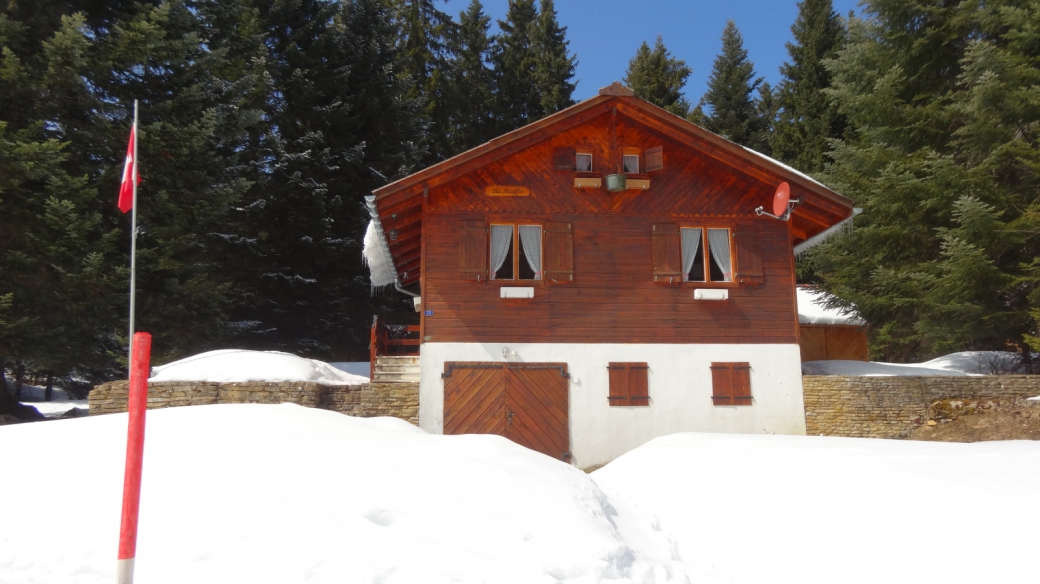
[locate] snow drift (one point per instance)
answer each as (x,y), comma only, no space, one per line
(963,363)
(236,365)
(285,494)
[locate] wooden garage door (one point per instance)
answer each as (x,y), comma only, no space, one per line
(525,402)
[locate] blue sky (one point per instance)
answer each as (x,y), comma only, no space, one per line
(606,33)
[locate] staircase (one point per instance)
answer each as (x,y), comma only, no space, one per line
(390,369)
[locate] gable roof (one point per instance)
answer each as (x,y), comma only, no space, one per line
(399,205)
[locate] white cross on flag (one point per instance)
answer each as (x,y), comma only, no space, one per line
(126,188)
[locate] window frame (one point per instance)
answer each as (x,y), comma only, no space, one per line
(634,153)
(707,283)
(516,224)
(584,152)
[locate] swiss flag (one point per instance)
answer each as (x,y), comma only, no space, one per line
(126,188)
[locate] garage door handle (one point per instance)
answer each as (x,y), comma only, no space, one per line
(509,417)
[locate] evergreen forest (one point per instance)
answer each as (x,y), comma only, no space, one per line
(264,123)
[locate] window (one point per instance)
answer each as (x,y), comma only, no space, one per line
(583,161)
(544,253)
(628,384)
(731,384)
(516,252)
(630,163)
(706,259)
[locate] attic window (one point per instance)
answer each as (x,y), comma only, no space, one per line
(630,163)
(583,161)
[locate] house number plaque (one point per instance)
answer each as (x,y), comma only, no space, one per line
(506,191)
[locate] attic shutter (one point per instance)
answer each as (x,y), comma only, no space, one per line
(666,252)
(563,159)
(559,253)
(653,158)
(731,384)
(748,242)
(473,251)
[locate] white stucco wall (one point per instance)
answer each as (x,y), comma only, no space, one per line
(680,390)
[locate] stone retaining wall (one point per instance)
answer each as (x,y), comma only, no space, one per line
(400,400)
(891,407)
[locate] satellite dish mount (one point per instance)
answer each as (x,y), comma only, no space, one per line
(783,205)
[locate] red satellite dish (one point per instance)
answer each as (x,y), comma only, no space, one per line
(781,199)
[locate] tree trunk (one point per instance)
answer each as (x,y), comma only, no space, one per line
(19,377)
(48,394)
(3,376)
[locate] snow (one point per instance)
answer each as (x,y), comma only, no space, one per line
(237,365)
(963,363)
(872,369)
(360,368)
(812,309)
(776,162)
(377,257)
(55,409)
(282,493)
(748,509)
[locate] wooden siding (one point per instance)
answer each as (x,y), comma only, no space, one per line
(613,298)
(831,342)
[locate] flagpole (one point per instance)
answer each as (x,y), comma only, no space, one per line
(133,238)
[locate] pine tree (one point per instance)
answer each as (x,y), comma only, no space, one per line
(554,68)
(518,100)
(808,117)
(733,113)
(659,78)
(338,124)
(943,161)
(423,43)
(472,81)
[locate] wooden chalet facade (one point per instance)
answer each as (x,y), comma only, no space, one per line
(582,322)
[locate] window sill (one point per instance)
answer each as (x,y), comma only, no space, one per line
(517,283)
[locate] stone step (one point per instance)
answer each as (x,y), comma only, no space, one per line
(396,377)
(396,369)
(396,360)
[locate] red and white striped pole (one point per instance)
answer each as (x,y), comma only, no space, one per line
(137,402)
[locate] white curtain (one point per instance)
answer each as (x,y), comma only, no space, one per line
(531,238)
(718,240)
(501,240)
(691,242)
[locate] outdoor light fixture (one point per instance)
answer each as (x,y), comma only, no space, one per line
(393,227)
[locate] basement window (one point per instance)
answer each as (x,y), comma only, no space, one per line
(516,252)
(583,161)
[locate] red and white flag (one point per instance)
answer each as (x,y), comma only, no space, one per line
(126,188)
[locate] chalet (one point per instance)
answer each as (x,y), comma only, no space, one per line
(599,278)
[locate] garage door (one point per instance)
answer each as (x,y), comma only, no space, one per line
(525,402)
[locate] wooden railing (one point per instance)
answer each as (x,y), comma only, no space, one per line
(392,340)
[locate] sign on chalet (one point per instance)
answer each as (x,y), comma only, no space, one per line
(599,278)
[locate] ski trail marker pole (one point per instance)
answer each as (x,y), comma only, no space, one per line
(137,402)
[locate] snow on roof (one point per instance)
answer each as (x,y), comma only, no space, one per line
(237,365)
(377,257)
(785,167)
(812,309)
(874,369)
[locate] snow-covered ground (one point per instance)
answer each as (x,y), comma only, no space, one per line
(281,493)
(360,368)
(812,309)
(231,365)
(963,363)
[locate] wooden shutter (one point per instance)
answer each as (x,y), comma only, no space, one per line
(628,384)
(473,262)
(638,384)
(731,384)
(667,253)
(748,242)
(618,376)
(563,159)
(559,253)
(654,158)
